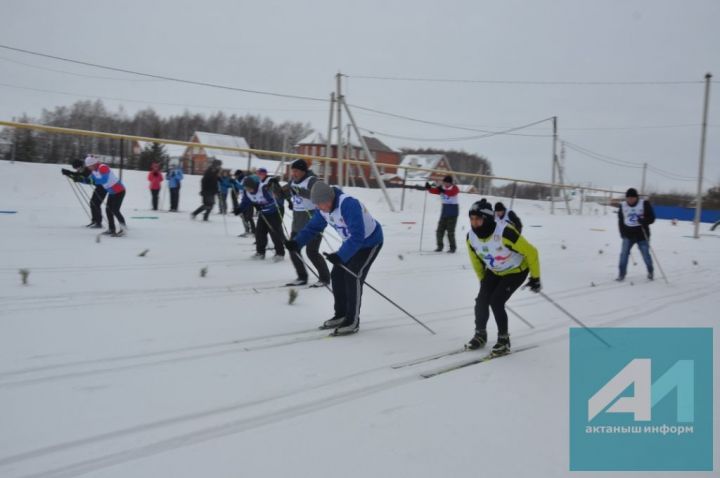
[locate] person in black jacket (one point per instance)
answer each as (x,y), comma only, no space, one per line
(502,214)
(208,191)
(634,218)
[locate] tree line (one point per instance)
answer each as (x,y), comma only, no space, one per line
(34,146)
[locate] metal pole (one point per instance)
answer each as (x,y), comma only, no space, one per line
(575,319)
(644,175)
(402,196)
(422,224)
(561,176)
(698,206)
(328,148)
(370,157)
(338,81)
(352,274)
(582,200)
(122,157)
(554,165)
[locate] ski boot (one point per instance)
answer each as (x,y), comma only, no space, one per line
(478,341)
(502,347)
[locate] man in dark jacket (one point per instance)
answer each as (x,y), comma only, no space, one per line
(502,214)
(302,182)
(208,191)
(634,218)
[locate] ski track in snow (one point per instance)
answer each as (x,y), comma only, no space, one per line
(238,426)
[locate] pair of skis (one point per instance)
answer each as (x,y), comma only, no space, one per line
(457,366)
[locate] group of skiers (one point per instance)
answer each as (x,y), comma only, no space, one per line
(501,257)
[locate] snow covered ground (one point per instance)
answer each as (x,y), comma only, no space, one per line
(116,365)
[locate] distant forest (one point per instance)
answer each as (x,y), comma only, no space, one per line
(32,146)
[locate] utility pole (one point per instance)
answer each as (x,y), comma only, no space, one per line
(561,174)
(698,206)
(328,149)
(554,165)
(642,185)
(340,99)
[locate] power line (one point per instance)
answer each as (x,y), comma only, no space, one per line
(145,102)
(81,75)
(167,78)
(602,157)
(626,164)
(465,138)
(526,82)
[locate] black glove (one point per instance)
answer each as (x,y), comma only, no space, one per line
(236,210)
(290,205)
(534,284)
(68,173)
(428,186)
(333,258)
(292,245)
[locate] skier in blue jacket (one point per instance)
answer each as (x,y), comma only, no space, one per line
(362,238)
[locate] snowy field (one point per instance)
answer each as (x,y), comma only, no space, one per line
(117,365)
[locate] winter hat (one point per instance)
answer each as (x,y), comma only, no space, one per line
(448,179)
(250,183)
(499,207)
(91,161)
(261,170)
(483,209)
(77,164)
(631,193)
(299,164)
(321,193)
(238,173)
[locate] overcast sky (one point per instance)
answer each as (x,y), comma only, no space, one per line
(297,47)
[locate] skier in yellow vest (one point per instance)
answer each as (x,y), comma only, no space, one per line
(502,260)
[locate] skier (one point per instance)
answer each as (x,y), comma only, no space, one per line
(224,185)
(269,221)
(272,183)
(208,191)
(448,217)
(502,214)
(102,175)
(247,216)
(80,175)
(155,178)
(362,239)
(502,259)
(174,179)
(303,180)
(634,218)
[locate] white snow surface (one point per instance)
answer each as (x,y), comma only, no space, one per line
(116,365)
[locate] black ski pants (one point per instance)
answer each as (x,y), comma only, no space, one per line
(112,210)
(494,292)
(347,288)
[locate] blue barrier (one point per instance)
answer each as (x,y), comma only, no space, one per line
(685,213)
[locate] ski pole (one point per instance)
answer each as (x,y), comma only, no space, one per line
(575,319)
(520,317)
(422,224)
(342,266)
(77,196)
(298,253)
(647,239)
